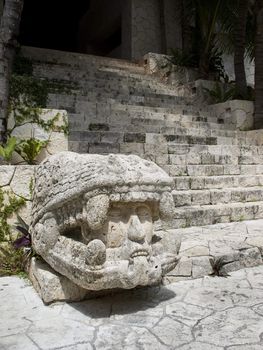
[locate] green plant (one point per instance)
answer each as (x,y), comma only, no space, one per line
(217,264)
(22,65)
(7,151)
(181,58)
(31,186)
(29,149)
(221,93)
(11,260)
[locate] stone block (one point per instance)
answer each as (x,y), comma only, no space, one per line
(177,170)
(111,137)
(201,267)
(132,148)
(104,148)
(194,248)
(218,196)
(241,213)
(248,170)
(6,174)
(87,136)
(21,180)
(200,197)
(231,170)
(178,149)
(205,170)
(154,149)
(182,183)
(183,268)
(197,183)
(181,198)
(58,142)
(51,285)
(242,259)
(162,159)
(177,159)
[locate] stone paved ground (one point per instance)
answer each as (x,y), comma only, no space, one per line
(212,313)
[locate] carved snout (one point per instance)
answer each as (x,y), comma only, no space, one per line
(136,232)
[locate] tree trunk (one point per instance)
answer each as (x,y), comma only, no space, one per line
(258,116)
(9,29)
(240,42)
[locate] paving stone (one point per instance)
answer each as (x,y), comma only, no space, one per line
(227,327)
(181,312)
(6,174)
(230,309)
(59,333)
(179,333)
(201,266)
(20,341)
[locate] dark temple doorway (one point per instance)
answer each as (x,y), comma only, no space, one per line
(86,26)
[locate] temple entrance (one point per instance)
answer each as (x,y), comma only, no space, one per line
(86,26)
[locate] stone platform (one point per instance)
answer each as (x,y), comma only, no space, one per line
(212,313)
(237,245)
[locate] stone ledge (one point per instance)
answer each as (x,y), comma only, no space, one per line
(238,245)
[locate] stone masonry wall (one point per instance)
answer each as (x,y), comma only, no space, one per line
(16,179)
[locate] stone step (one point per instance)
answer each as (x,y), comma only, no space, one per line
(73,59)
(217,196)
(213,170)
(237,245)
(82,102)
(93,137)
(217,182)
(200,215)
(89,112)
(79,124)
(105,83)
(107,80)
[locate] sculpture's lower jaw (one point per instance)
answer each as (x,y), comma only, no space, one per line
(53,286)
(139,271)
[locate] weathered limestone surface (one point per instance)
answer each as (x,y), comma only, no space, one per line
(212,313)
(236,112)
(237,245)
(93,216)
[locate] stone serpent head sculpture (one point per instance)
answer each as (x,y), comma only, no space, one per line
(93,219)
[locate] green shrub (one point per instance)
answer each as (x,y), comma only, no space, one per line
(6,151)
(29,149)
(12,261)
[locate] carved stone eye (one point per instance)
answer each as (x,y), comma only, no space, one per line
(73,233)
(144,213)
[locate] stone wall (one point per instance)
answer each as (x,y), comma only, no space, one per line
(17,180)
(236,113)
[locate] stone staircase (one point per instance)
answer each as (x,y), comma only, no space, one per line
(115,107)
